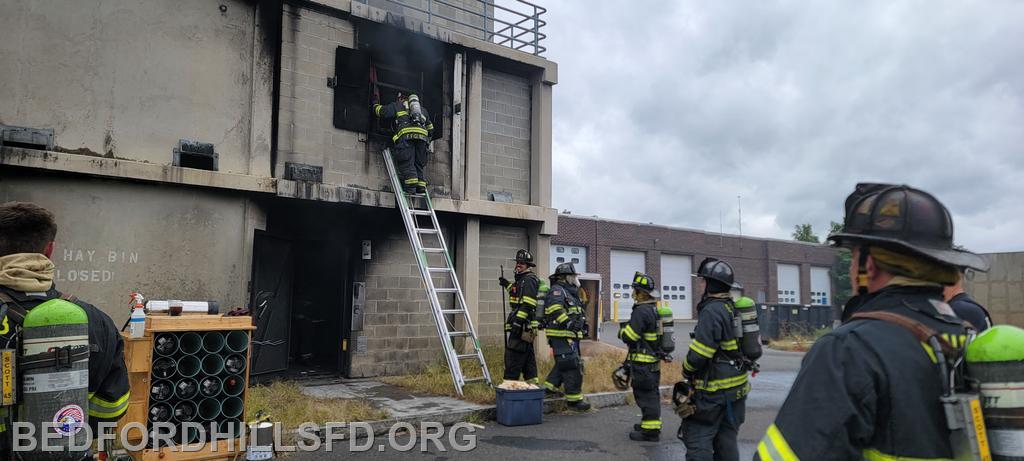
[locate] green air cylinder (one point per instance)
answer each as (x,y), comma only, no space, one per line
(996,359)
(750,344)
(542,294)
(668,327)
(56,400)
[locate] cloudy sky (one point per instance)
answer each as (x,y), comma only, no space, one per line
(666,111)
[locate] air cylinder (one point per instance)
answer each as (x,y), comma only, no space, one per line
(750,338)
(996,359)
(668,328)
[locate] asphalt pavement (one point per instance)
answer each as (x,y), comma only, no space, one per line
(596,435)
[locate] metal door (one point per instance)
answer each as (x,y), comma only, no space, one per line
(624,265)
(789,284)
(271,302)
(677,285)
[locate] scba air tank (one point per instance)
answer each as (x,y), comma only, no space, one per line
(55,379)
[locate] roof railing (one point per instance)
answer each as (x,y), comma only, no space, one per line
(524,34)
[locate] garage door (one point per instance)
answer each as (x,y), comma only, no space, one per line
(676,285)
(789,284)
(624,265)
(821,286)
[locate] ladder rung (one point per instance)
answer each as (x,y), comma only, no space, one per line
(474,380)
(452,311)
(439,269)
(446,290)
(420,212)
(426,231)
(433,250)
(467,356)
(459,333)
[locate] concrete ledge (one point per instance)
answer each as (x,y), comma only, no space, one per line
(131,169)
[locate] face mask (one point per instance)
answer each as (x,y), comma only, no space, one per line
(573,280)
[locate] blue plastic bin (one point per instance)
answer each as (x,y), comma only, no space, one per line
(520,408)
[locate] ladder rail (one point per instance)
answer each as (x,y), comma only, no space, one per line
(452,357)
(461,299)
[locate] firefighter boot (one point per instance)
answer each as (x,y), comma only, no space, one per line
(645,435)
(579,405)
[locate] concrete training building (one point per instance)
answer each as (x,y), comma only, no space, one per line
(772,271)
(289,196)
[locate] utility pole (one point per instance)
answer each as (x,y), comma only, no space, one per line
(721,230)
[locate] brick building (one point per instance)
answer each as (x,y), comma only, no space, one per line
(772,271)
(287,193)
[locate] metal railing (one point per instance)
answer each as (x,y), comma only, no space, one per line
(517,26)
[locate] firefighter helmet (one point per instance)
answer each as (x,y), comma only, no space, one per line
(621,377)
(902,219)
(714,269)
(646,284)
(565,269)
(682,403)
(524,256)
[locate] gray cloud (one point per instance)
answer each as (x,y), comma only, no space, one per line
(667,111)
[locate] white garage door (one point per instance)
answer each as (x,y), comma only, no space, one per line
(789,284)
(821,286)
(624,265)
(569,254)
(676,285)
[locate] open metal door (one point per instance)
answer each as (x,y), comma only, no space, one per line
(271,298)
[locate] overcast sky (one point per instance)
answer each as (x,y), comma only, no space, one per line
(666,111)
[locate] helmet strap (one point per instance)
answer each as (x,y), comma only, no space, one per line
(862,271)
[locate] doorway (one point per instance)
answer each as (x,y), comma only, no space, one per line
(301,292)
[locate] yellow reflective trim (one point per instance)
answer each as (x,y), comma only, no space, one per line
(529,300)
(719,384)
(101,401)
(376,109)
(873,454)
(780,444)
(552,309)
(642,358)
(702,349)
(573,397)
(651,424)
(931,353)
(628,331)
(562,318)
(762,451)
(687,366)
(401,113)
(559,333)
(650,336)
(522,314)
(729,345)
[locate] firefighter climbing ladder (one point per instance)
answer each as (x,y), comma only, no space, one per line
(445,319)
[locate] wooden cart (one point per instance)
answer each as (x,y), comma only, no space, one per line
(139,357)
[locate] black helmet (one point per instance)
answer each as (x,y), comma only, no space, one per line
(565,269)
(524,256)
(645,283)
(902,219)
(712,268)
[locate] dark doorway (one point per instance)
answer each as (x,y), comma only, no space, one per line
(302,265)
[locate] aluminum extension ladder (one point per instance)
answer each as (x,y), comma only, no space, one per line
(434,258)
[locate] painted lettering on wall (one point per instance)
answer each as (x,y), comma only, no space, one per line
(91,265)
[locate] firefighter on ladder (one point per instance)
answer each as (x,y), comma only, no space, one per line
(521,324)
(412,132)
(565,325)
(870,389)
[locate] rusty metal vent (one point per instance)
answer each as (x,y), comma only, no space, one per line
(28,138)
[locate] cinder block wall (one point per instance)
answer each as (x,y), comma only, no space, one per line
(1001,289)
(498,245)
(505,137)
(306,124)
(400,333)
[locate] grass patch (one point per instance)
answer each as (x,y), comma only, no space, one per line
(435,378)
(798,341)
(285,402)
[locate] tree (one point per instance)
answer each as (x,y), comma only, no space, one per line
(804,233)
(841,272)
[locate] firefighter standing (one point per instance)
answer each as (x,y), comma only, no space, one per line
(565,326)
(642,335)
(521,324)
(716,370)
(412,132)
(870,389)
(27,233)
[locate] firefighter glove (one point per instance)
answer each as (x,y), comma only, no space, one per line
(504,282)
